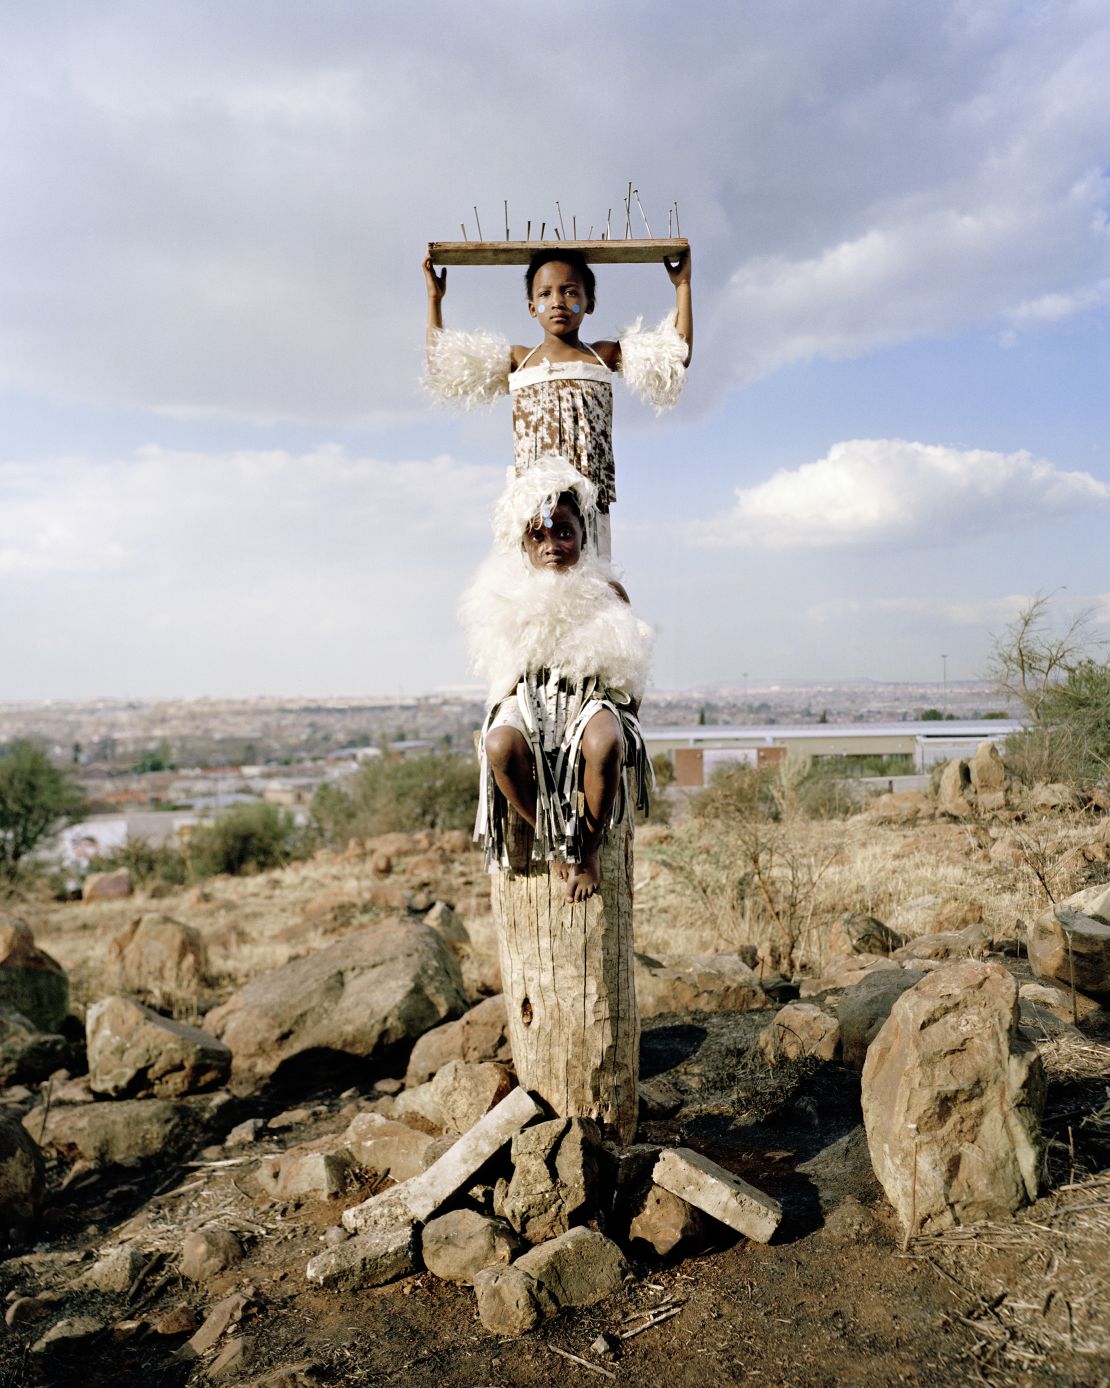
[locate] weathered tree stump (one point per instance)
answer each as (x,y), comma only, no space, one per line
(570,993)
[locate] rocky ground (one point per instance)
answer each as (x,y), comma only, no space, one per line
(194,1170)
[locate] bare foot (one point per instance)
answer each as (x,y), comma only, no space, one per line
(585,877)
(560,869)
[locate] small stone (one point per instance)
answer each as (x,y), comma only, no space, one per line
(606,1346)
(389,1086)
(243,1134)
(207,1252)
(579,1268)
(115,1271)
(229,1311)
(386,1148)
(291,1118)
(458,1245)
(178,1320)
(510,1301)
(233,1358)
(25,1310)
(1058,1001)
(368,1260)
(106,886)
(666,1223)
(718,1192)
(69,1330)
(800,1029)
(335,1235)
(659,1098)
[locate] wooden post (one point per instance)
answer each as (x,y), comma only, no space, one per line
(567,975)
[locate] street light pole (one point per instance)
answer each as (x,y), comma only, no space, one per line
(944,682)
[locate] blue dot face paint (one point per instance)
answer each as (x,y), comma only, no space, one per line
(576,308)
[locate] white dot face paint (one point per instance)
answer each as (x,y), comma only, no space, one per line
(541,308)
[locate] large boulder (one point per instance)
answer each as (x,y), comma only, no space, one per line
(31,982)
(554,1184)
(988,777)
(107,886)
(28,1055)
(703,983)
(361,996)
(952,1097)
(22,1173)
(157,956)
(1070,941)
(458,1095)
(800,1029)
(116,1132)
(864,1008)
(954,791)
(135,1053)
(480,1034)
(974,940)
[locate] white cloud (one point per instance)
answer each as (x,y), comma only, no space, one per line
(894,492)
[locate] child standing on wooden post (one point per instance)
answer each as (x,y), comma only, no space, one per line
(552,630)
(562,388)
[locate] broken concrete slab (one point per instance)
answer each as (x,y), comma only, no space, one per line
(369,1260)
(422,1195)
(709,1187)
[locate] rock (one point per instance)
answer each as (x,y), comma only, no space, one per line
(22,1173)
(864,1008)
(157,956)
(801,1028)
(856,933)
(245,1133)
(458,1095)
(900,807)
(207,1252)
(107,886)
(135,1053)
(972,941)
(70,1330)
(114,1132)
(306,1373)
(422,1195)
(368,1260)
(27,1055)
(478,1035)
(458,1245)
(579,1268)
(1007,851)
(554,1182)
(659,1098)
(705,983)
(952,1098)
(954,792)
(954,913)
(31,982)
(320,1169)
(456,843)
(988,777)
(26,1310)
(846,973)
(443,918)
(226,1313)
(709,1187)
(666,1223)
(361,996)
(1054,796)
(235,1356)
(1058,1001)
(1071,941)
(510,1301)
(849,1222)
(386,1148)
(115,1270)
(178,1320)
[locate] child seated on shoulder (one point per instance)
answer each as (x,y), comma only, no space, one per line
(562,388)
(552,629)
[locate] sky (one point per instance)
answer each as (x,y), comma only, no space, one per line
(219,475)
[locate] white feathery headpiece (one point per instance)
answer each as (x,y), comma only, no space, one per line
(536,489)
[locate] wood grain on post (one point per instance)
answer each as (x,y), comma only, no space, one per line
(567,976)
(641,250)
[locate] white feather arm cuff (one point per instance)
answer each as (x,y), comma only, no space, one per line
(467,369)
(653,362)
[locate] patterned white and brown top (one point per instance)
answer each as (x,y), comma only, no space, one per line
(566,408)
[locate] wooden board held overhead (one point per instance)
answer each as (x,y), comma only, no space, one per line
(643,251)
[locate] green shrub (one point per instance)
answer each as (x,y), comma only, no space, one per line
(146,862)
(435,791)
(36,799)
(245,838)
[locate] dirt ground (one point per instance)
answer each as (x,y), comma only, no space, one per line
(835,1299)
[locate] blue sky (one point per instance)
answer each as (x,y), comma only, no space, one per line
(218,474)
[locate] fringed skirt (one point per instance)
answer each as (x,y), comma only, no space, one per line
(551,713)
